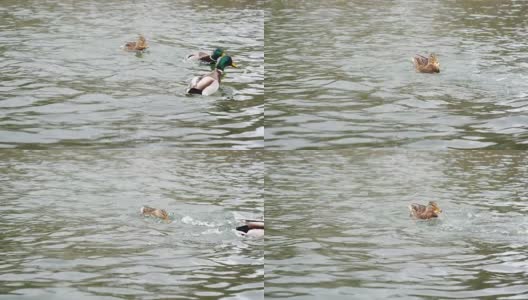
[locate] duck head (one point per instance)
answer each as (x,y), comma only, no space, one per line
(142,43)
(217,53)
(433,61)
(433,207)
(225,61)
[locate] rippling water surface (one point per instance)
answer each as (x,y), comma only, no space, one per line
(339,74)
(339,225)
(65,81)
(71,228)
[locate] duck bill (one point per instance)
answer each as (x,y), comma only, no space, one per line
(234,66)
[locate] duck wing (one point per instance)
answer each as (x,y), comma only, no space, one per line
(420,60)
(204,82)
(197,56)
(417,208)
(129,46)
(255,224)
(209,84)
(204,85)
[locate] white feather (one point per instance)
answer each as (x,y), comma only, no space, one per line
(255,233)
(193,83)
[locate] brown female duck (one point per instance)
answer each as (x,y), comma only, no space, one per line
(140,45)
(426,65)
(155,212)
(418,211)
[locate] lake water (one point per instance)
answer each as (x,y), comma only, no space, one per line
(339,74)
(66,82)
(339,227)
(89,133)
(71,227)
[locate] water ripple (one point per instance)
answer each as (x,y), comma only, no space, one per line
(65,82)
(71,224)
(341,227)
(340,75)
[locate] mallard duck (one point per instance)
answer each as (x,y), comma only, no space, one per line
(208,84)
(426,65)
(155,212)
(252,228)
(432,210)
(140,45)
(207,58)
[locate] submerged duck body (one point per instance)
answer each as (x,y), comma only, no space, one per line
(140,45)
(210,83)
(426,65)
(252,228)
(418,211)
(207,58)
(155,212)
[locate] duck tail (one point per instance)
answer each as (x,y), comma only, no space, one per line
(143,208)
(194,91)
(243,228)
(411,210)
(416,60)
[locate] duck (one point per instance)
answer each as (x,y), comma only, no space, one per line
(148,211)
(426,65)
(140,45)
(252,228)
(208,84)
(418,211)
(207,58)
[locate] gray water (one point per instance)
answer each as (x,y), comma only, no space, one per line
(71,227)
(339,227)
(90,133)
(65,81)
(340,74)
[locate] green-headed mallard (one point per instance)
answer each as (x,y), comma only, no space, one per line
(207,58)
(426,65)
(432,210)
(140,45)
(252,228)
(208,84)
(155,212)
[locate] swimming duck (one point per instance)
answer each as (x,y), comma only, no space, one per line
(252,228)
(426,65)
(140,45)
(207,58)
(155,212)
(418,211)
(208,84)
